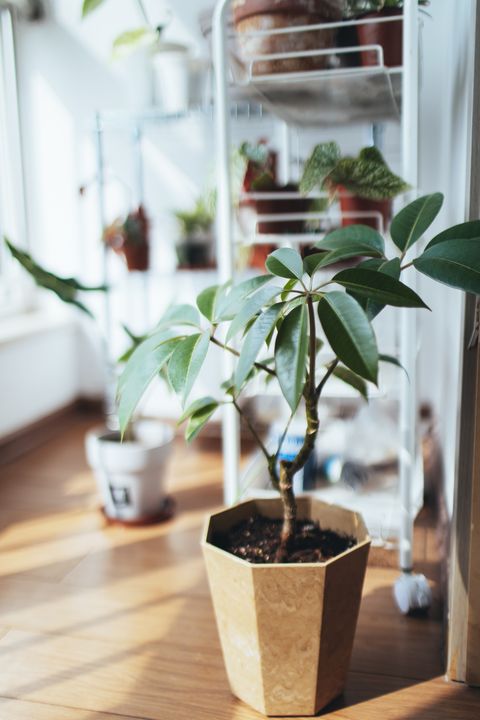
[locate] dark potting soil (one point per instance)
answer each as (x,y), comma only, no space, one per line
(257,540)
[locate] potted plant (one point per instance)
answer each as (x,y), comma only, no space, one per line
(251,16)
(363,184)
(388,35)
(131,239)
(286,575)
(158,71)
(130,475)
(259,170)
(195,247)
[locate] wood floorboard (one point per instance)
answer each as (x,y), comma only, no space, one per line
(99,622)
(12,709)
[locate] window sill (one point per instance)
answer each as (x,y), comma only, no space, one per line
(26,324)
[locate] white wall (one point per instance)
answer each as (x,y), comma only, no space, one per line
(448,44)
(39,373)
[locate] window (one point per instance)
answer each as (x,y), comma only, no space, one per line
(13,283)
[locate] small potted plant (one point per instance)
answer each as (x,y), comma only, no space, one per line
(131,476)
(389,35)
(251,16)
(195,246)
(157,71)
(286,574)
(363,184)
(131,239)
(260,176)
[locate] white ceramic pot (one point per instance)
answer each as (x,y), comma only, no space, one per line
(136,72)
(171,72)
(131,475)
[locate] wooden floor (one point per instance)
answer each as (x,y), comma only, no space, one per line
(98,622)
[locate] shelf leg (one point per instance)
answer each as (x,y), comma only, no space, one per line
(109,367)
(225,244)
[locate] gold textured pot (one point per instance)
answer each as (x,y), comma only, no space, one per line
(287,630)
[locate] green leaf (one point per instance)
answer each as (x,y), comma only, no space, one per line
(66,289)
(321,162)
(453,263)
(250,308)
(296,302)
(145,363)
(179,315)
(197,406)
(391,360)
(285,263)
(317,261)
(254,340)
(186,363)
(291,355)
(131,40)
(198,421)
(207,301)
(410,224)
(391,268)
(349,333)
(228,303)
(465,231)
(136,340)
(89,6)
(289,285)
(367,176)
(378,286)
(360,235)
(352,379)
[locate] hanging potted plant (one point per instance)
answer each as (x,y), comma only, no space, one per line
(195,246)
(286,574)
(130,239)
(259,164)
(251,16)
(157,71)
(364,185)
(388,35)
(130,476)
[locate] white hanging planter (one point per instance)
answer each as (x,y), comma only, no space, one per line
(136,72)
(131,475)
(171,73)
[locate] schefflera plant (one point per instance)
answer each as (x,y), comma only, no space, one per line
(272,326)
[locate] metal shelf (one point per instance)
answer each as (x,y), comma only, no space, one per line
(327,98)
(125,119)
(335,93)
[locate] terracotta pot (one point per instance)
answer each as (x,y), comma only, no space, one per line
(352,204)
(287,630)
(260,15)
(389,35)
(258,255)
(136,256)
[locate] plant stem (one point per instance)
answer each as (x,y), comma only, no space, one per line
(288,469)
(271,459)
(258,365)
(252,429)
(326,377)
(313,345)
(404,267)
(143,12)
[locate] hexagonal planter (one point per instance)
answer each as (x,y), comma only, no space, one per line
(287,630)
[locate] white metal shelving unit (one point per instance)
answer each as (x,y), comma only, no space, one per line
(324,98)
